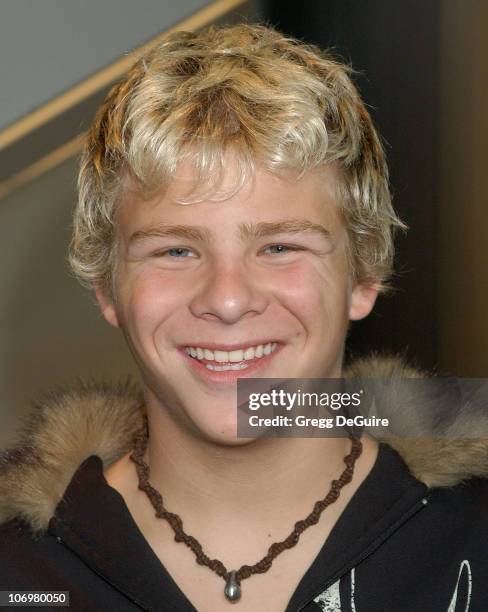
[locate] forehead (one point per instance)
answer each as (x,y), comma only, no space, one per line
(265,198)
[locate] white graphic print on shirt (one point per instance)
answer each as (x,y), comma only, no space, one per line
(330,599)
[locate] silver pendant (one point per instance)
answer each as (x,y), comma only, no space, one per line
(232,588)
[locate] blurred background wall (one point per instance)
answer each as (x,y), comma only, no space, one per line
(422,70)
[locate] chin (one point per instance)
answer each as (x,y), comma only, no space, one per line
(229,442)
(220,436)
(215,422)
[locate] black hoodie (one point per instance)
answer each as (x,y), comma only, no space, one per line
(414,536)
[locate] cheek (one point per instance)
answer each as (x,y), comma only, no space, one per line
(151,299)
(317,292)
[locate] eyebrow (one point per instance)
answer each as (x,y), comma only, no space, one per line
(266,229)
(247,231)
(189,232)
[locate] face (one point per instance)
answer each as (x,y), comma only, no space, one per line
(257,285)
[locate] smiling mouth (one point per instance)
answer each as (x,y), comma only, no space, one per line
(230,360)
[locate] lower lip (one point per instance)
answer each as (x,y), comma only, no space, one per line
(229,377)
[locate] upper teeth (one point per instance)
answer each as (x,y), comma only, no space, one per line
(231,356)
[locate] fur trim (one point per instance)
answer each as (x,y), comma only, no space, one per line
(442,445)
(62,431)
(94,419)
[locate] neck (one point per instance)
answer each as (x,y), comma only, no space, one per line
(250,480)
(234,499)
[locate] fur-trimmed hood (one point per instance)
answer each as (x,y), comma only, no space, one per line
(96,419)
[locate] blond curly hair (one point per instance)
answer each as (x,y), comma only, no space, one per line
(272,100)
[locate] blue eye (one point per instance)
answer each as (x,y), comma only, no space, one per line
(174,253)
(281,248)
(177,252)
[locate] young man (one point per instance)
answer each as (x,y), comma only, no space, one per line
(234,217)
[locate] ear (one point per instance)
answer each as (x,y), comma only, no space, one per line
(363,298)
(107,306)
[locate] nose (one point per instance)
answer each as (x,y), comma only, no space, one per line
(228,294)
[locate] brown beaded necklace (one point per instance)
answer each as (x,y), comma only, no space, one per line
(233,578)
